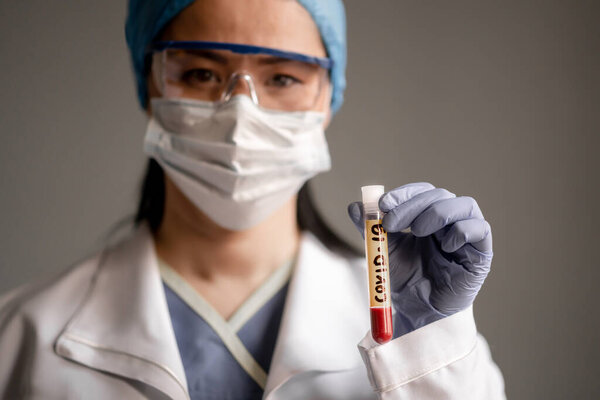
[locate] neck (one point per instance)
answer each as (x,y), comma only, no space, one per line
(199,249)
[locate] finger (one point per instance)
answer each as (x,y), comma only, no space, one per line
(485,245)
(402,194)
(355,212)
(445,212)
(465,231)
(403,215)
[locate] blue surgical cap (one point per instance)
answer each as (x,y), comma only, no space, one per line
(146,19)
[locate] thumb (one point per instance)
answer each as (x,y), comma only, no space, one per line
(355,212)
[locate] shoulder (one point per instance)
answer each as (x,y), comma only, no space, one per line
(47,293)
(50,300)
(34,316)
(45,307)
(31,318)
(57,297)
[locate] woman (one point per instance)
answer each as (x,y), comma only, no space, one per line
(232,286)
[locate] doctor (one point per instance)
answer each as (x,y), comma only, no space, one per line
(232,287)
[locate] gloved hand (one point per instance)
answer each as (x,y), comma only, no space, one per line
(437,269)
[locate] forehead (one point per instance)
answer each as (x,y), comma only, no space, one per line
(281,24)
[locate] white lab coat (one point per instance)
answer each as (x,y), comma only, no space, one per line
(102,331)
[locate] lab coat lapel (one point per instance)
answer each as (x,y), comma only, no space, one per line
(325,316)
(124,327)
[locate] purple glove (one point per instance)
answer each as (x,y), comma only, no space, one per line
(438,269)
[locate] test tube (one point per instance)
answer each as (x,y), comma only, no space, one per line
(376,249)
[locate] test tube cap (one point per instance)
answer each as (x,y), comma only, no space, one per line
(372,193)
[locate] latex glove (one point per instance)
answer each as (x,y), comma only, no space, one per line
(437,269)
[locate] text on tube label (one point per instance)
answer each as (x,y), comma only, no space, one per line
(377,254)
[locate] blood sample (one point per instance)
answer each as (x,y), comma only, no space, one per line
(376,250)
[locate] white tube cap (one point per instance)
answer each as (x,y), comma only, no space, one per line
(372,193)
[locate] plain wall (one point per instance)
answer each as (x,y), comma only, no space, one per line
(496,100)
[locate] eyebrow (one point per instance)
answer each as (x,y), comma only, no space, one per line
(273,60)
(219,58)
(211,55)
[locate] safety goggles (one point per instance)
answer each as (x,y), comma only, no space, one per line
(214,71)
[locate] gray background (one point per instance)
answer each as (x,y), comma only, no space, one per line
(497,100)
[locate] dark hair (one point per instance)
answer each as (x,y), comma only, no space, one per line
(152,202)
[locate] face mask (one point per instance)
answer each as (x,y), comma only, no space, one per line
(236,162)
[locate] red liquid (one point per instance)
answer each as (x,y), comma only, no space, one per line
(381,324)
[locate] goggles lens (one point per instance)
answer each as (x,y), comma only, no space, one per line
(213,72)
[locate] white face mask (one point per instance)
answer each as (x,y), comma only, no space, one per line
(236,162)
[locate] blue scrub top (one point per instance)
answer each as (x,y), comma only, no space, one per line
(211,370)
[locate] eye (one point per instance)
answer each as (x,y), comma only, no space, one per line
(283,80)
(199,76)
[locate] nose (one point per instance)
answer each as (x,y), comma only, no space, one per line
(240,83)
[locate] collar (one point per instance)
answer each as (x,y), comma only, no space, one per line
(123,327)
(325,315)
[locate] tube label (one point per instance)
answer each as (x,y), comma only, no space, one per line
(377,261)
